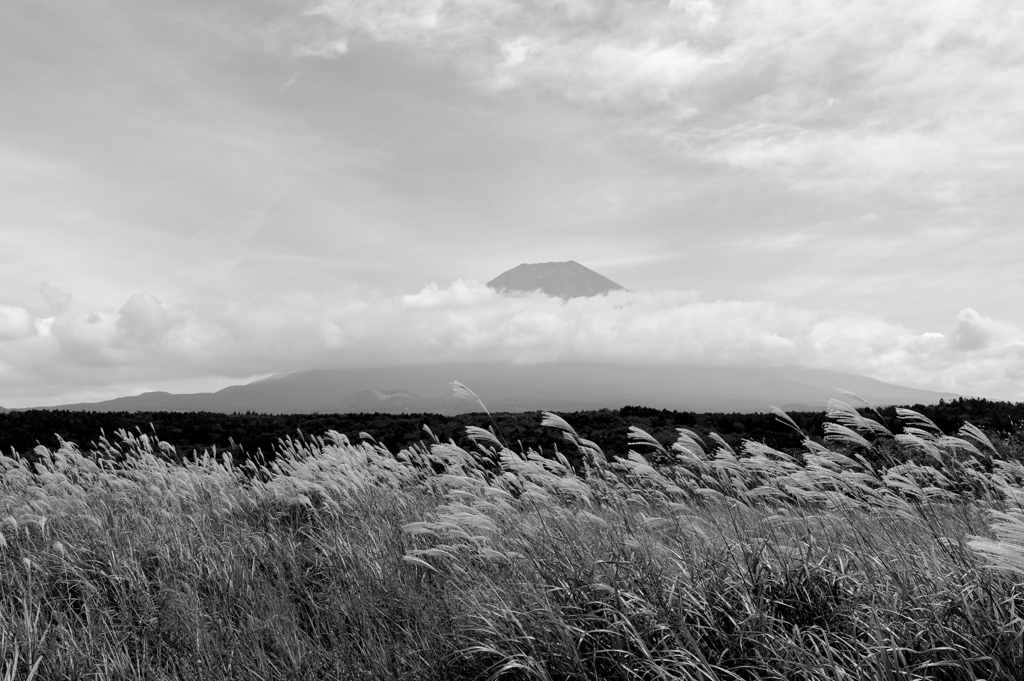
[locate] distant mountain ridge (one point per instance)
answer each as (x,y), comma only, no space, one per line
(559,279)
(563,387)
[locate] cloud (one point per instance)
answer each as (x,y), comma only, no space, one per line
(969,334)
(146,341)
(15,323)
(973,332)
(327,50)
(57,302)
(144,319)
(914,99)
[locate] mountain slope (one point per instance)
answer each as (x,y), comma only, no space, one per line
(509,387)
(560,279)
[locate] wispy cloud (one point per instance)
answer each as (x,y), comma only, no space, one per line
(146,341)
(327,50)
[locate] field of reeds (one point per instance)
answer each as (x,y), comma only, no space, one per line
(873,556)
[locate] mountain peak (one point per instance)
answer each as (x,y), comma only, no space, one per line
(559,279)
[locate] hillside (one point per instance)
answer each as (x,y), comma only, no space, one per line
(518,388)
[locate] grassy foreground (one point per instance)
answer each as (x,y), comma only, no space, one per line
(881,557)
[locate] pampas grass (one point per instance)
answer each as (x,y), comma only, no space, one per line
(872,556)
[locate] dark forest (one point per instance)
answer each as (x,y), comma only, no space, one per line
(249,433)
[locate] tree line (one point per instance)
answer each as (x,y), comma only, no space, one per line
(246,434)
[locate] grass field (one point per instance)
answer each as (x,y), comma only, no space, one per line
(879,557)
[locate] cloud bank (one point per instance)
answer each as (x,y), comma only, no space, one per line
(52,353)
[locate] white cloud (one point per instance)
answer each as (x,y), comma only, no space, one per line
(147,342)
(144,319)
(15,323)
(974,332)
(916,99)
(325,50)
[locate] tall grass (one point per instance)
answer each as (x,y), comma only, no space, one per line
(873,556)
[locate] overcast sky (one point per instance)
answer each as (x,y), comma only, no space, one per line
(193,194)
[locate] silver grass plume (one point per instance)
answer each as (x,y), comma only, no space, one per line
(969,430)
(478,435)
(917,420)
(1006,552)
(722,443)
(753,448)
(854,396)
(638,436)
(689,443)
(851,418)
(467,394)
(786,419)
(838,433)
(552,420)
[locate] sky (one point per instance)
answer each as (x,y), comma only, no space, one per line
(196,194)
